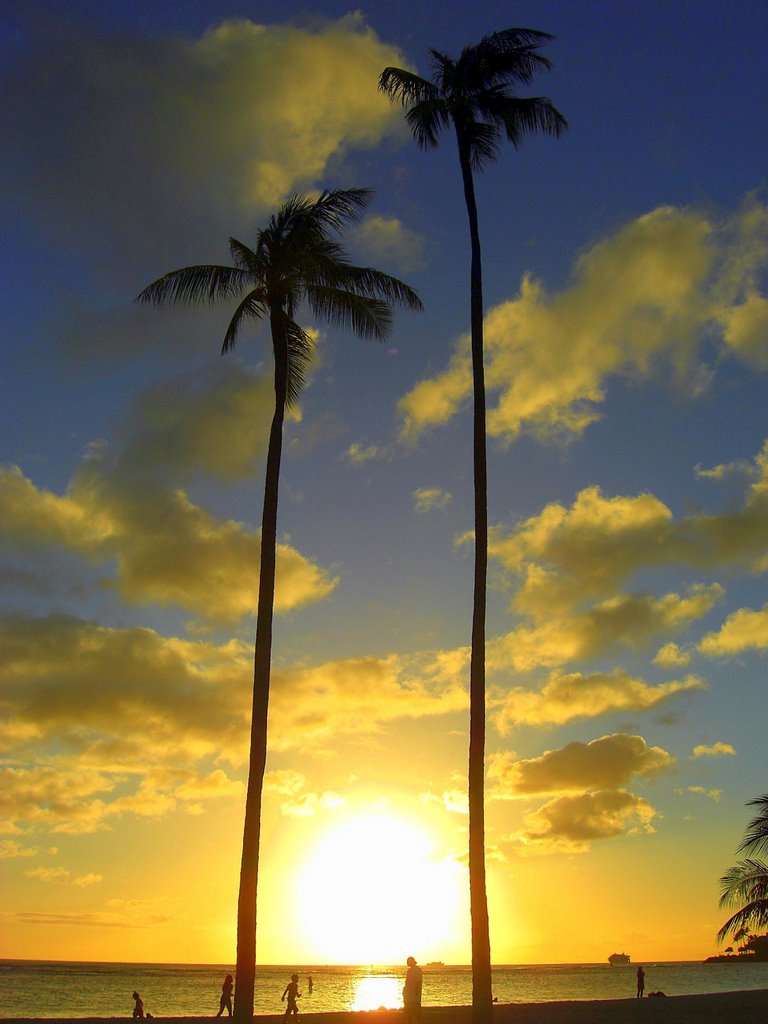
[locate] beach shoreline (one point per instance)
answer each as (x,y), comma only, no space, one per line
(746,1007)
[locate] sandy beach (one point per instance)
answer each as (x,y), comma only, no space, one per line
(749,1007)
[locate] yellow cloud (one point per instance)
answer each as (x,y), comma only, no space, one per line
(640,299)
(566,556)
(168,550)
(357,453)
(713,750)
(745,328)
(100,697)
(710,794)
(386,239)
(605,763)
(214,421)
(625,620)
(355,697)
(77,682)
(230,121)
(572,823)
(566,697)
(428,498)
(671,655)
(743,630)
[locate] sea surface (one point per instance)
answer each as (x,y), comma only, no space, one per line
(36,988)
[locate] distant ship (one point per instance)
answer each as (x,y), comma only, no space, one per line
(435,963)
(618,958)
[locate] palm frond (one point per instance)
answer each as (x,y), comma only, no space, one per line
(245,258)
(506,56)
(427,119)
(371,283)
(367,316)
(756,834)
(750,918)
(522,116)
(332,209)
(192,285)
(745,881)
(301,348)
(251,308)
(406,87)
(481,141)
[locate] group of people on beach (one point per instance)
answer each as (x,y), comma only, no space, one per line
(411,996)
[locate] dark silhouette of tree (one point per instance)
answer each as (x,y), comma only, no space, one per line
(297,260)
(471,95)
(745,885)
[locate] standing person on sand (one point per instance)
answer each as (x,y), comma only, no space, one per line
(412,992)
(292,991)
(225,1003)
(640,982)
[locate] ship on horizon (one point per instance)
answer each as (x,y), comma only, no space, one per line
(615,959)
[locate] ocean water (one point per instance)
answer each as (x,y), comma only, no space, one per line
(35,988)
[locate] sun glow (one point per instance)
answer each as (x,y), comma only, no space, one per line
(377,889)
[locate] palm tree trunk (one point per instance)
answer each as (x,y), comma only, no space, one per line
(482,999)
(245,970)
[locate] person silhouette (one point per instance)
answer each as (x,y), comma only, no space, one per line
(225,1003)
(138,1008)
(292,991)
(309,984)
(412,992)
(640,982)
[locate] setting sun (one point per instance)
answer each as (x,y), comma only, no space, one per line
(375,889)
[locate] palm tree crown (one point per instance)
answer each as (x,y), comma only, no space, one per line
(296,259)
(745,885)
(471,93)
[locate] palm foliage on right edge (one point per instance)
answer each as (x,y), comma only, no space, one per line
(745,885)
(471,96)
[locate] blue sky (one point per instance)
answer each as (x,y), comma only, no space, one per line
(627,343)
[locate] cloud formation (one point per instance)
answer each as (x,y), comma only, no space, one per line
(572,563)
(229,123)
(644,298)
(120,510)
(95,695)
(743,630)
(624,621)
(386,240)
(572,823)
(569,696)
(718,749)
(606,763)
(427,499)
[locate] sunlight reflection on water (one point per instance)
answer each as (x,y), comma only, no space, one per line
(375,992)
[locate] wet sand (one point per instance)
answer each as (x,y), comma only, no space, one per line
(749,1007)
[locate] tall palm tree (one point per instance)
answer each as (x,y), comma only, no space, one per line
(471,96)
(297,259)
(745,885)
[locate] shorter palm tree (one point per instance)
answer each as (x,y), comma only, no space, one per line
(297,261)
(745,885)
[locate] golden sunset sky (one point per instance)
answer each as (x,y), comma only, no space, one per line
(626,350)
